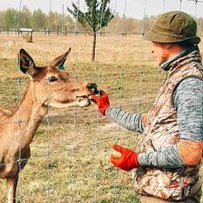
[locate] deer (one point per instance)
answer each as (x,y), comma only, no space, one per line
(49,86)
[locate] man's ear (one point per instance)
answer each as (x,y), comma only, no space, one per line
(27,64)
(60,60)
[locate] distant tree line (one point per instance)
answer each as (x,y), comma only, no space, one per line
(37,20)
(54,21)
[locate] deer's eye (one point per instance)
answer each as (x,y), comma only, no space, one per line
(75,90)
(52,79)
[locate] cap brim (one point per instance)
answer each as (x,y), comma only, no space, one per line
(169,39)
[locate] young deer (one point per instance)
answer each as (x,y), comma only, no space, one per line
(48,86)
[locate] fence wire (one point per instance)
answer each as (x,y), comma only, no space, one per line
(71,148)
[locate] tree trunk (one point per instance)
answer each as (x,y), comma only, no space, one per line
(94,45)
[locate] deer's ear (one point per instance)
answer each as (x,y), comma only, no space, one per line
(27,64)
(60,60)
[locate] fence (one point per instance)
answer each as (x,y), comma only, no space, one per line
(71,149)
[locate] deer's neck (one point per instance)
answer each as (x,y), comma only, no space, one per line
(28,116)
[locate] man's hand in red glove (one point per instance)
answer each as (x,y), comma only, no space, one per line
(102,101)
(128,159)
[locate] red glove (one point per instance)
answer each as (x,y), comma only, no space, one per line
(102,102)
(128,159)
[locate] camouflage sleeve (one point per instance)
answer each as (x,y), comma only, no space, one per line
(188,101)
(130,121)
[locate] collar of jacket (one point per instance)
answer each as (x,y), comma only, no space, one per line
(168,64)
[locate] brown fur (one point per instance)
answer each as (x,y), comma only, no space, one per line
(18,128)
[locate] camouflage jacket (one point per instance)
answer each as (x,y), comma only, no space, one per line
(161,130)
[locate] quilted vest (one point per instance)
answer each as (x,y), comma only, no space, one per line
(161,131)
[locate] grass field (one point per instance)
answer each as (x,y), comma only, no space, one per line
(71,149)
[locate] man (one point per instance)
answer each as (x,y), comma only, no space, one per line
(168,161)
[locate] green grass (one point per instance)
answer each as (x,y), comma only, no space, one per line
(70,153)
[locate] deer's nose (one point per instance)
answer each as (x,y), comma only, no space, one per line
(92,87)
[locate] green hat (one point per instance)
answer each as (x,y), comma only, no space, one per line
(174,27)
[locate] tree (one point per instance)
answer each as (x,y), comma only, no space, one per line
(69,23)
(25,17)
(38,19)
(53,20)
(97,16)
(10,18)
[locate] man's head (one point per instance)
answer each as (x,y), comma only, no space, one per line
(172,32)
(174,27)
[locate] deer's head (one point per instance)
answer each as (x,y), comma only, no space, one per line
(53,86)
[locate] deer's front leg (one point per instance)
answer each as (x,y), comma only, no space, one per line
(12,185)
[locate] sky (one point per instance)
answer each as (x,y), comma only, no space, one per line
(131,8)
